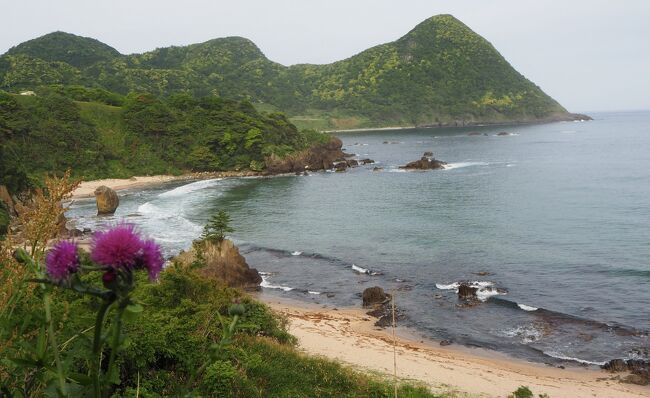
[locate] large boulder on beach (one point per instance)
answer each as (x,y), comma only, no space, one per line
(107,200)
(427,162)
(221,261)
(374,296)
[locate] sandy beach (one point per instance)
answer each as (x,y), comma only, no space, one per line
(349,335)
(87,188)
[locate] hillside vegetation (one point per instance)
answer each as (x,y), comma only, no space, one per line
(51,132)
(439,73)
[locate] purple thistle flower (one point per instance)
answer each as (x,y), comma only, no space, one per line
(152,259)
(117,248)
(62,260)
(122,248)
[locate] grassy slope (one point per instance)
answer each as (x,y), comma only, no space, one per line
(173,335)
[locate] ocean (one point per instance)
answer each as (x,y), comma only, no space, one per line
(551,222)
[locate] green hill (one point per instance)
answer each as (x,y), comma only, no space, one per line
(50,132)
(439,73)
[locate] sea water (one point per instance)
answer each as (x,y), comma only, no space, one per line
(551,223)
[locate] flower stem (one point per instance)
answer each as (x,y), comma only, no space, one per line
(117,331)
(97,346)
(53,343)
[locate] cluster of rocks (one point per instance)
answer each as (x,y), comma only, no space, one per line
(639,370)
(343,164)
(379,303)
(327,156)
(426,162)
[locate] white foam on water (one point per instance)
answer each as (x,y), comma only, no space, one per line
(360,270)
(527,333)
(312,292)
(559,355)
(296,253)
(459,165)
(265,284)
(527,307)
(485,290)
(191,187)
(455,285)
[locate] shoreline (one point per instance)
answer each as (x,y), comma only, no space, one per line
(86,188)
(348,335)
(574,117)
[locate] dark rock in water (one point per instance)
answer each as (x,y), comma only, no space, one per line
(107,200)
(465,291)
(366,161)
(428,154)
(425,163)
(348,155)
(446,342)
(482,273)
(502,133)
(377,168)
(374,296)
(340,166)
(352,163)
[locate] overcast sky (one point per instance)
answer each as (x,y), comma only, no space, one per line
(589,55)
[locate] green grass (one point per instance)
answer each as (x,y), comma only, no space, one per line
(173,335)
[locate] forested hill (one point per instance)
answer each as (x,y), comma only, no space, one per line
(70,127)
(441,72)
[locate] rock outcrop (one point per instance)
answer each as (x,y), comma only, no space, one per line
(374,296)
(427,162)
(639,370)
(466,291)
(222,261)
(107,200)
(318,157)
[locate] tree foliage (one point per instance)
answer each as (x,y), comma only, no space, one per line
(217,228)
(440,72)
(56,130)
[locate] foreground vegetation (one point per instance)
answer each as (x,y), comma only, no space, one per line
(440,72)
(178,336)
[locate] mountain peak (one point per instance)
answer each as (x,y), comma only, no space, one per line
(66,47)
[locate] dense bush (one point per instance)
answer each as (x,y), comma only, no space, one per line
(172,337)
(55,130)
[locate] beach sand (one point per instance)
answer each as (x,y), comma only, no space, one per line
(349,336)
(87,188)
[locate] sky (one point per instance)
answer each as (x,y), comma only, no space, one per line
(589,55)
